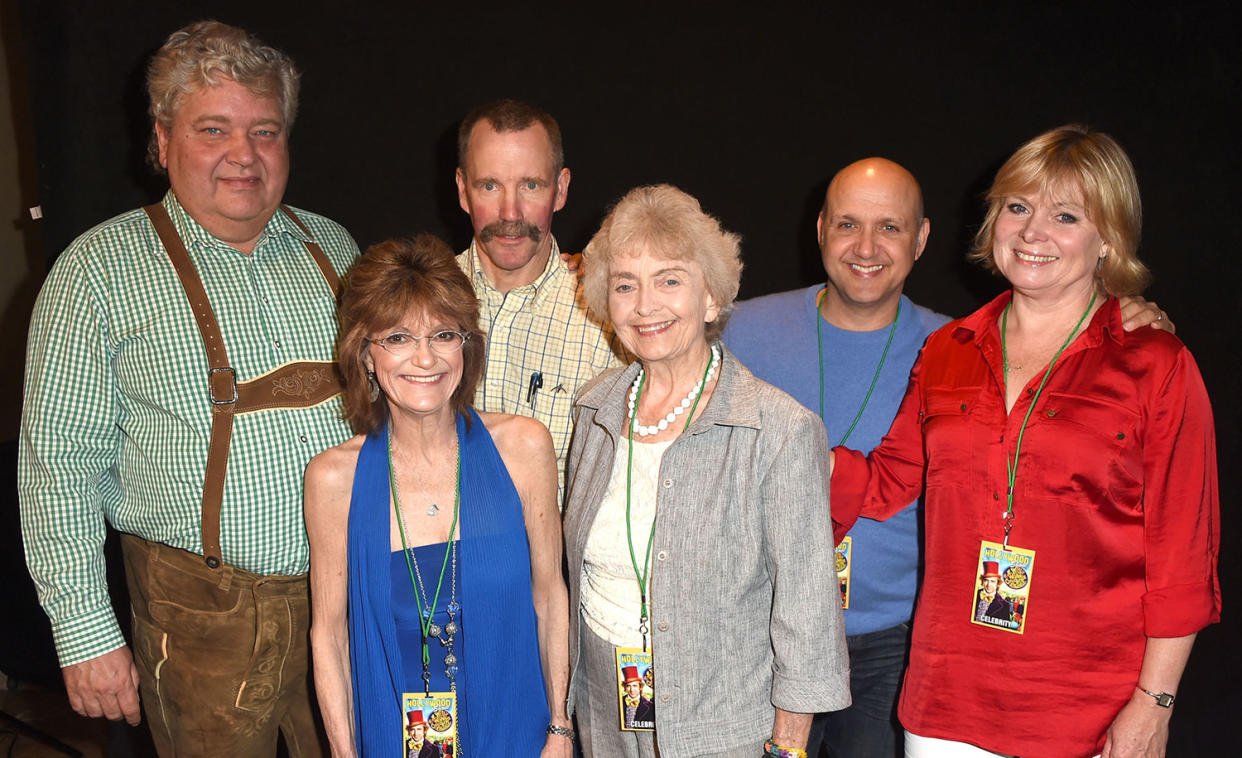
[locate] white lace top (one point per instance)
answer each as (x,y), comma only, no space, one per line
(610,597)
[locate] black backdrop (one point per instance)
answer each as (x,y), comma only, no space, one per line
(751,110)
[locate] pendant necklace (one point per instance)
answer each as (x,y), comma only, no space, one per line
(432,509)
(430,629)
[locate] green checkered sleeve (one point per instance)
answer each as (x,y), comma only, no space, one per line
(68,443)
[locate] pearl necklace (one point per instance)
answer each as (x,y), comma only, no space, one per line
(682,407)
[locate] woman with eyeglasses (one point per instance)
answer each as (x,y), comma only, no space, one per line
(439,620)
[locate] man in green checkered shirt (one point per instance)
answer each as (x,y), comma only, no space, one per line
(119,415)
(541,345)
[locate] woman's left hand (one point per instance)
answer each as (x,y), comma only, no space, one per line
(556,746)
(1141,730)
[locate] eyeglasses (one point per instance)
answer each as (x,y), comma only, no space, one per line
(403,344)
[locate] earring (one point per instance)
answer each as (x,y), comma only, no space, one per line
(373,385)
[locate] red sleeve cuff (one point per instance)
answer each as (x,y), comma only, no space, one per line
(1179,610)
(849,485)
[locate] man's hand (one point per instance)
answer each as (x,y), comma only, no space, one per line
(1141,730)
(1138,312)
(105,686)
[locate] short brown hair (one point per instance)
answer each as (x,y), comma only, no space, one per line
(511,116)
(204,52)
(392,279)
(673,223)
(1077,156)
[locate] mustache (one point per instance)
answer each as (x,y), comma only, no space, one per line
(510,229)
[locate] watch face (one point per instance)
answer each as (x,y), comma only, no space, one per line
(1164,700)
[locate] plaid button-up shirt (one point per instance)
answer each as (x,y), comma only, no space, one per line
(541,328)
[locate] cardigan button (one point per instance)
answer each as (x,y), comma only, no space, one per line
(662,555)
(662,626)
(668,483)
(665,697)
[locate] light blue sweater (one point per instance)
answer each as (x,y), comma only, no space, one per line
(775,337)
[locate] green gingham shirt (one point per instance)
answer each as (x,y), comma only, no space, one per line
(117,418)
(540,327)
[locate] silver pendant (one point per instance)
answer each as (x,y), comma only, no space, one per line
(433,510)
(434,630)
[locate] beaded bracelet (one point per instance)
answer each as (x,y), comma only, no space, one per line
(773,750)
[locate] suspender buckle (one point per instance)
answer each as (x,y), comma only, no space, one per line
(222,385)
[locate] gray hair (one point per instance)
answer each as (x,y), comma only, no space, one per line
(202,54)
(668,220)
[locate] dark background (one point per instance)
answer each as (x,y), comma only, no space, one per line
(751,110)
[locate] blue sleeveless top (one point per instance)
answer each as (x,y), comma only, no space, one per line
(505,711)
(408,618)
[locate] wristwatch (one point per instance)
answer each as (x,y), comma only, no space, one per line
(1163,699)
(561,731)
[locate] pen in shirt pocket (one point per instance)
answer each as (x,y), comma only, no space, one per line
(536,383)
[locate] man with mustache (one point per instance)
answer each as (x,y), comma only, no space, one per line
(541,346)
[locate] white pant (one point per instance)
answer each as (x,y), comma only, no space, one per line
(930,747)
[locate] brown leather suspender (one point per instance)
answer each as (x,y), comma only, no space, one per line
(294,385)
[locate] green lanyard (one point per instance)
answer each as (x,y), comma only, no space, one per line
(819,334)
(405,549)
(629,475)
(1012,463)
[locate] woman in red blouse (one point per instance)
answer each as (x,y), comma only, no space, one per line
(1069,470)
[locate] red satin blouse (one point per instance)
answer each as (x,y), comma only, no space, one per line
(1116,494)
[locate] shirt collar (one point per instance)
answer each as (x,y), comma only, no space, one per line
(982,324)
(733,403)
(544,284)
(192,232)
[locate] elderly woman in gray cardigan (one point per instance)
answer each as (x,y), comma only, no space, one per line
(696,524)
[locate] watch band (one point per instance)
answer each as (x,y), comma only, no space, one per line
(1163,699)
(561,731)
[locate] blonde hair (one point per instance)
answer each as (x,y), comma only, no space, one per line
(202,54)
(666,220)
(1077,156)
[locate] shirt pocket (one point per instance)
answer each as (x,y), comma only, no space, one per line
(1084,452)
(947,437)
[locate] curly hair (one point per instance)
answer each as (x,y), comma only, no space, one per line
(202,54)
(666,219)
